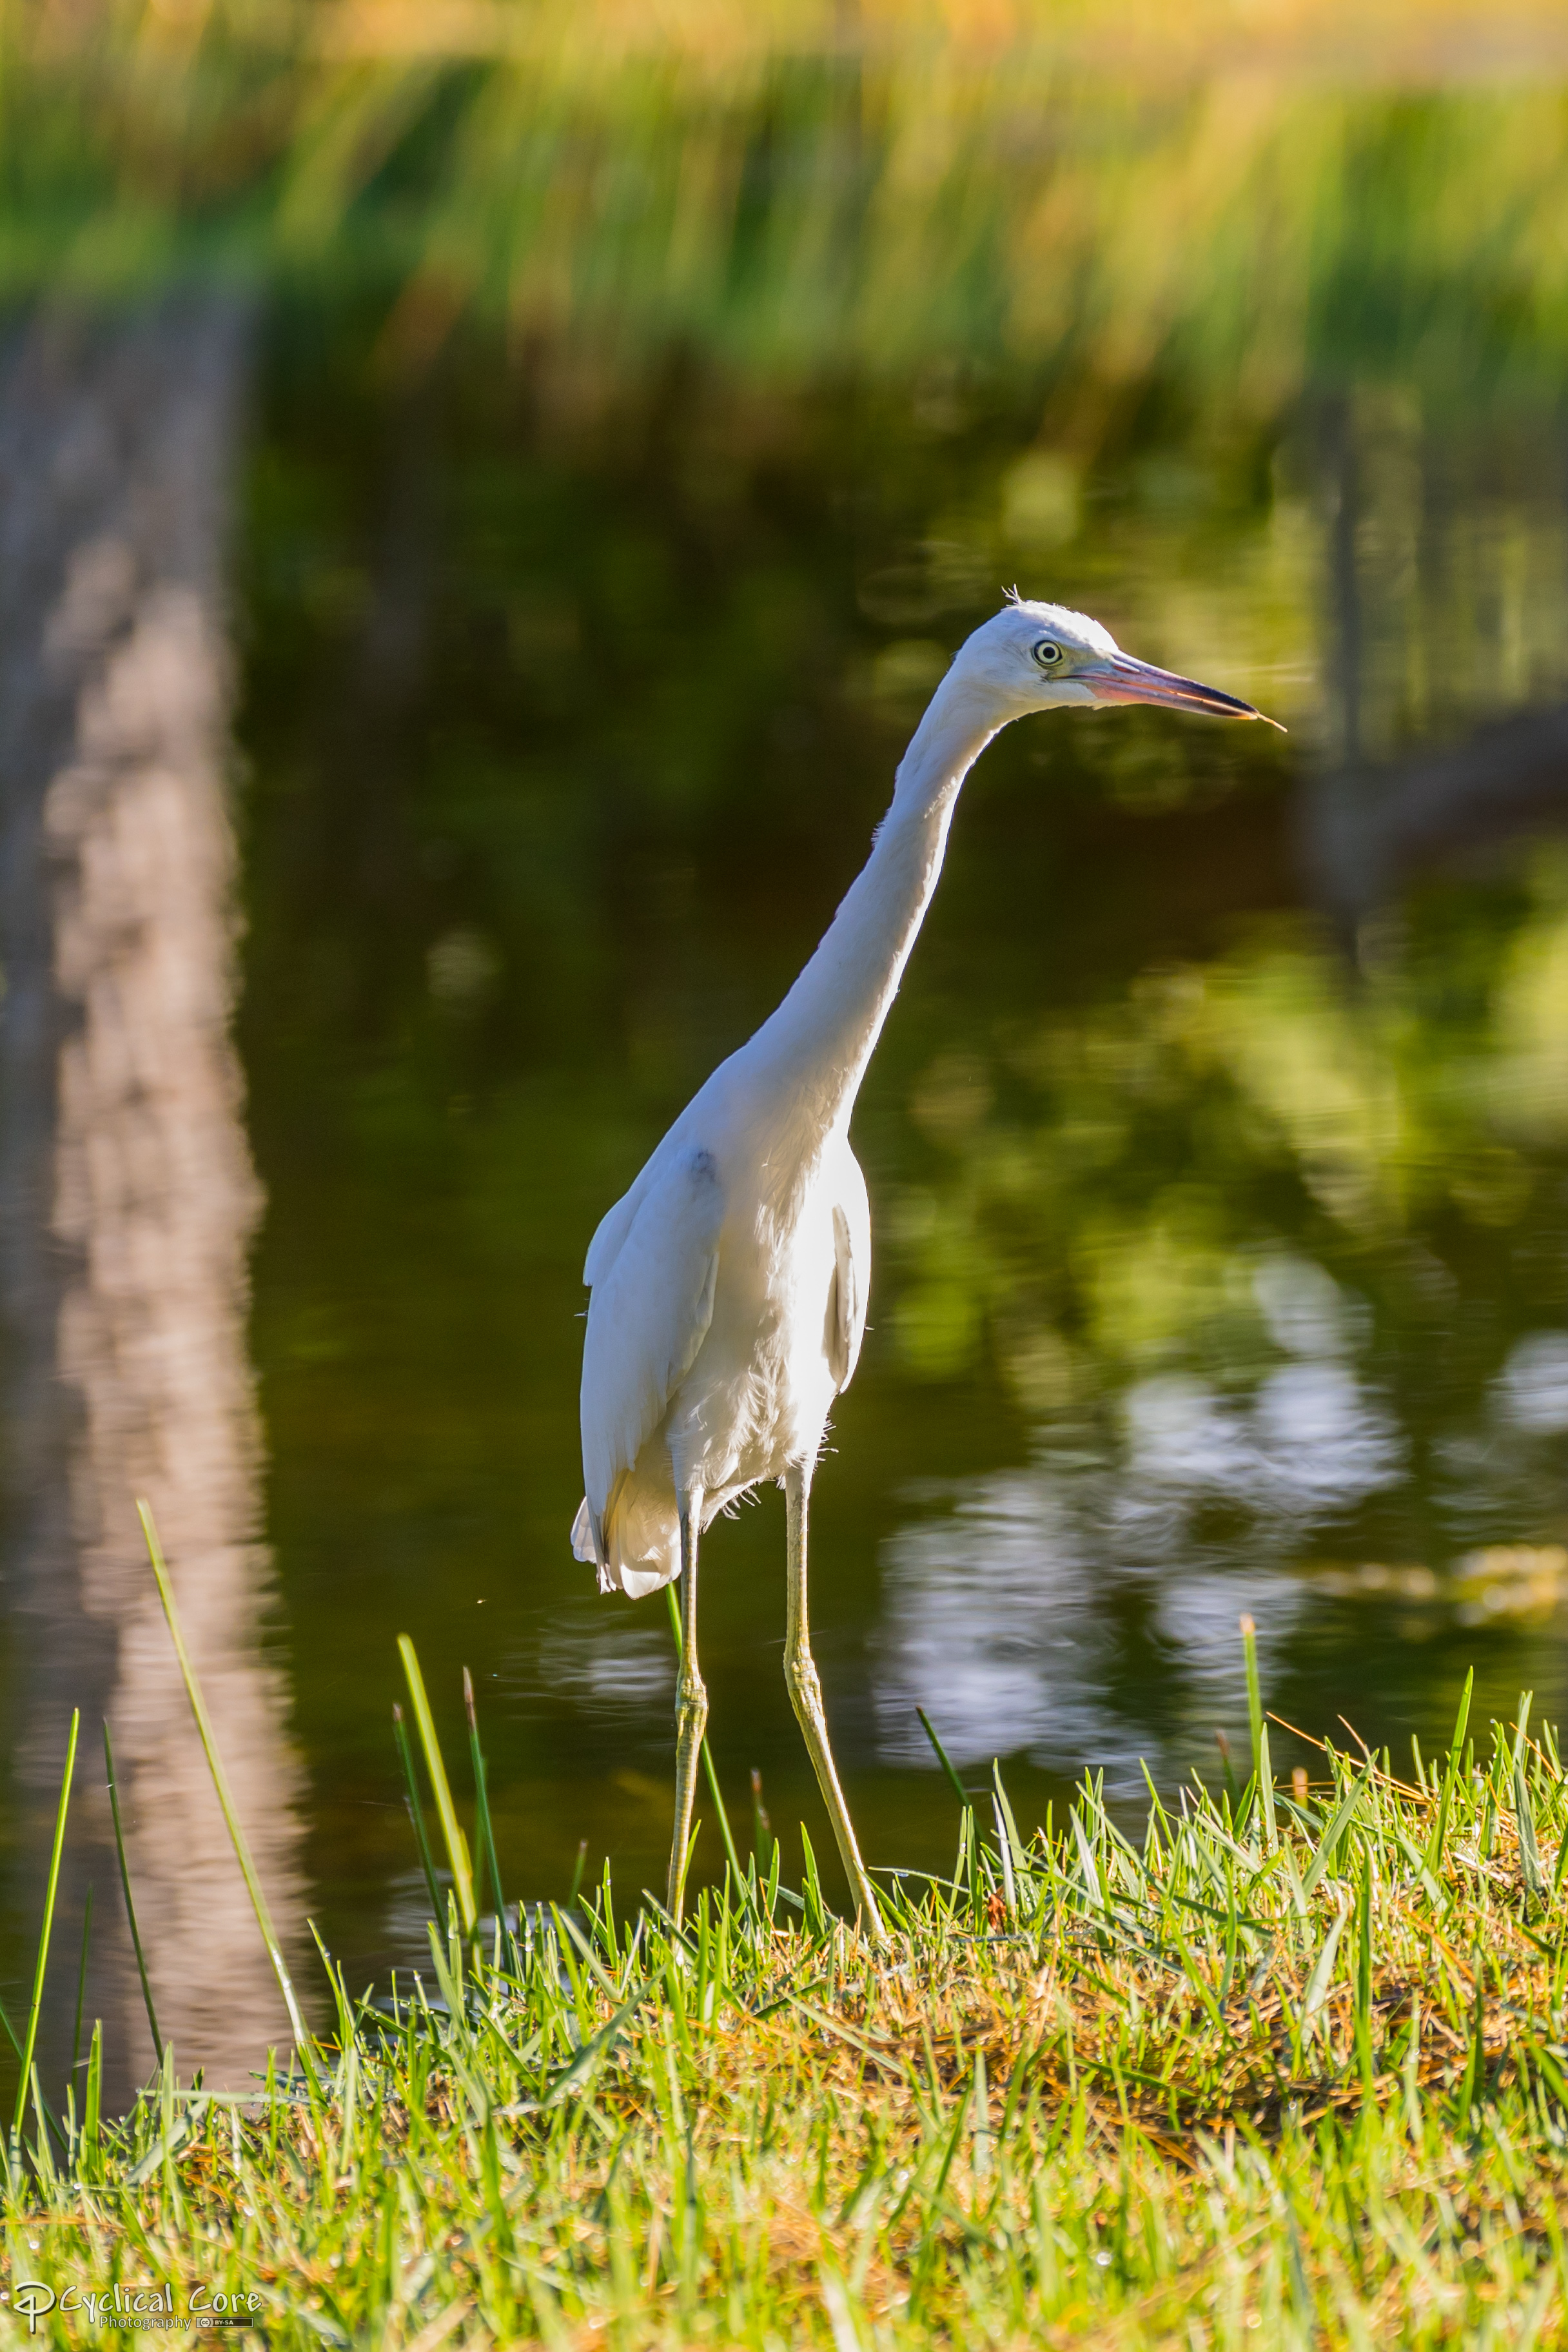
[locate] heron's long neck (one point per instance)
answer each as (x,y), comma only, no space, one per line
(820,1040)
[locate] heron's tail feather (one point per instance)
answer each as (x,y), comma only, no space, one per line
(637,1547)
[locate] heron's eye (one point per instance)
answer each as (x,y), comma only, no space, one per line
(1047,652)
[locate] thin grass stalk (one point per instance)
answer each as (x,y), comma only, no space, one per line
(481,1797)
(81,1984)
(12,2036)
(26,2084)
(125,1886)
(731,1855)
(1451,1773)
(1364,1978)
(1254,1695)
(1562,1865)
(1529,1846)
(416,1811)
(1262,1764)
(811,1889)
(14,2039)
(220,1782)
(959,1790)
(1009,1884)
(92,2099)
(42,2159)
(445,1811)
(762,1838)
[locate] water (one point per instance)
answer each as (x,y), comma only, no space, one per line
(1218,1145)
(1215,1146)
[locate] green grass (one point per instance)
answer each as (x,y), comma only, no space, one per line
(1231,2084)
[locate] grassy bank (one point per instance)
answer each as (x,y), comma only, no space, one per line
(1291,2071)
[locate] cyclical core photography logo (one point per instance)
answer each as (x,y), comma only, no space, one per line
(148,2307)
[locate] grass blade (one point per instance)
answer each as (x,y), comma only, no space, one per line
(1254,1695)
(959,1790)
(54,2123)
(1262,1766)
(482,1797)
(1333,1833)
(1451,1773)
(1317,1991)
(1529,1849)
(220,1782)
(416,1811)
(762,1840)
(725,1832)
(81,1983)
(93,2102)
(41,1962)
(129,1906)
(811,1888)
(1364,1981)
(445,1811)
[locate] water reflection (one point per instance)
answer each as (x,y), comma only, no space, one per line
(1259,1159)
(1255,1243)
(1083,1614)
(1409,567)
(1006,1621)
(1221,1218)
(623,1671)
(129,1197)
(1221,1212)
(1533,1389)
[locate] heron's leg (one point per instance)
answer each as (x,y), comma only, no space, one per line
(690,1697)
(805,1692)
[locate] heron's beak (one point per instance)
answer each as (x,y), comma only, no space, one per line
(1120,678)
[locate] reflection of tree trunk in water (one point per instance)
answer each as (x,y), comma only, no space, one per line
(1366,823)
(126,1188)
(1340,854)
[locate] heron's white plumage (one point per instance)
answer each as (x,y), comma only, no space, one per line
(655,1303)
(730,1284)
(852,1271)
(727,1314)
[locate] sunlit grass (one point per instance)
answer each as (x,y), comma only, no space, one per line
(1289,2069)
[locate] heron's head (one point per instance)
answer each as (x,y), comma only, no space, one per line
(1041,656)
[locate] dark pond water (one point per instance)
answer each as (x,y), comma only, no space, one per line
(1218,1146)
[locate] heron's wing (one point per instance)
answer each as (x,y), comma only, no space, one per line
(648,1317)
(852,1270)
(613,1228)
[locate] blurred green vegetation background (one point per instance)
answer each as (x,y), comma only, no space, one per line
(1230,199)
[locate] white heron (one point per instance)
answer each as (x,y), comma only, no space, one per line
(730,1284)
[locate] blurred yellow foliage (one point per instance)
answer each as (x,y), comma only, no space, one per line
(1126,37)
(795,183)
